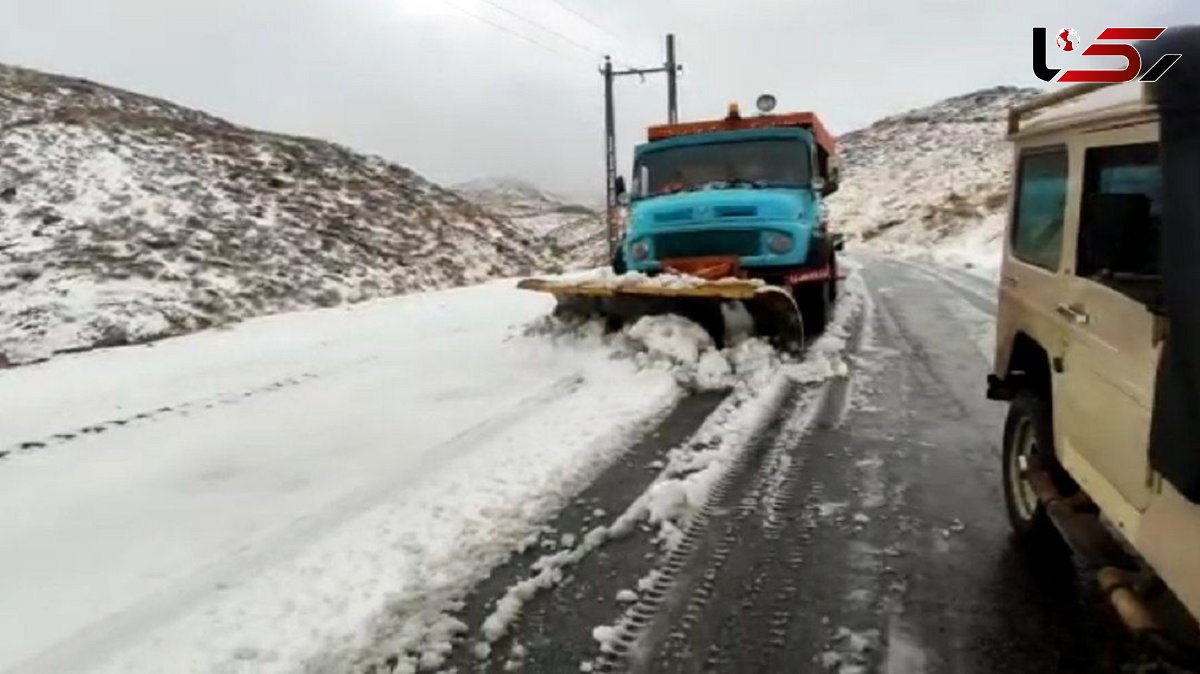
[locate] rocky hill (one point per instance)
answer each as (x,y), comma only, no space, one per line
(124,218)
(574,232)
(932,177)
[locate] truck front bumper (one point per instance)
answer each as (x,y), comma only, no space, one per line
(747,241)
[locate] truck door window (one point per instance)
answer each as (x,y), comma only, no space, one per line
(1041,202)
(1120,219)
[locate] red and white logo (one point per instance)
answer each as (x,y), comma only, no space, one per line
(1067,40)
(1110,42)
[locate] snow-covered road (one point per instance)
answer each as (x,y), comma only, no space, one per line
(446,479)
(859,528)
(245,499)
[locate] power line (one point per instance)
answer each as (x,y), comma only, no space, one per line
(506,29)
(588,21)
(620,40)
(535,24)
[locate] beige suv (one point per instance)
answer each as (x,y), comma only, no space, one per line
(1103,176)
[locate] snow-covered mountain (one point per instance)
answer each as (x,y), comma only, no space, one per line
(935,177)
(573,231)
(124,218)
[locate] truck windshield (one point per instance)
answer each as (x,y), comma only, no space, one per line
(759,163)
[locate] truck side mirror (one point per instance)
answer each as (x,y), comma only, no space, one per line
(839,241)
(621,192)
(831,185)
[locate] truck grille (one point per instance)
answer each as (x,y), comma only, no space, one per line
(698,244)
(735,211)
(677,215)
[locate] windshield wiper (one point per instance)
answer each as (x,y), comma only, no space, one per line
(710,185)
(753,184)
(739,182)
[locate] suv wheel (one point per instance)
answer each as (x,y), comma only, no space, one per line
(1028,444)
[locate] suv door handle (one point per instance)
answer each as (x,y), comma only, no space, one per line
(1073,313)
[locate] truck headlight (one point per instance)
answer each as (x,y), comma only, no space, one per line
(780,243)
(640,251)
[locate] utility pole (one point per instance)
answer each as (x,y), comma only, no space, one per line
(672,73)
(610,161)
(672,69)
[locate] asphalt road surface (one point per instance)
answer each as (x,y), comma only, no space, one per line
(864,531)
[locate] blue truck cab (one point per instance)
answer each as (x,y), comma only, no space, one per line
(746,191)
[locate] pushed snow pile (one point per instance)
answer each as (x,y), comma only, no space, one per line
(572,231)
(603,277)
(683,347)
(125,218)
(675,344)
(935,175)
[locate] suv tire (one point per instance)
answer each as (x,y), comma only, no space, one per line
(1028,439)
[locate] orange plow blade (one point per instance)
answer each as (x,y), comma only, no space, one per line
(621,300)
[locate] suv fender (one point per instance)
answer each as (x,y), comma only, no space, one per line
(1028,368)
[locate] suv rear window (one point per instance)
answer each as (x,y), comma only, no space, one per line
(1041,202)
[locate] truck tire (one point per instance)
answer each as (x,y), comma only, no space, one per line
(1028,439)
(833,277)
(618,262)
(815,301)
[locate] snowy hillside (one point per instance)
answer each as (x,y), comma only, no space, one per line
(933,176)
(575,232)
(124,218)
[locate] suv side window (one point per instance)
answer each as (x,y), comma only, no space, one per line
(1120,219)
(1040,206)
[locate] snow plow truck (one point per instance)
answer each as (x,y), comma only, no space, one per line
(723,211)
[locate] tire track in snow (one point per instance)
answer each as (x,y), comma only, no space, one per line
(185,408)
(973,296)
(764,493)
(145,416)
(955,550)
(587,589)
(691,606)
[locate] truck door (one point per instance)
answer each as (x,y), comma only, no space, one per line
(1108,364)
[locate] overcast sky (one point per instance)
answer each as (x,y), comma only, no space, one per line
(434,86)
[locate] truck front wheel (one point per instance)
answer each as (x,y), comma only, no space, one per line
(833,277)
(618,262)
(815,301)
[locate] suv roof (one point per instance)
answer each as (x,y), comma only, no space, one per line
(1081,106)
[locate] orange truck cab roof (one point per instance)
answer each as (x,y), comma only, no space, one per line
(735,122)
